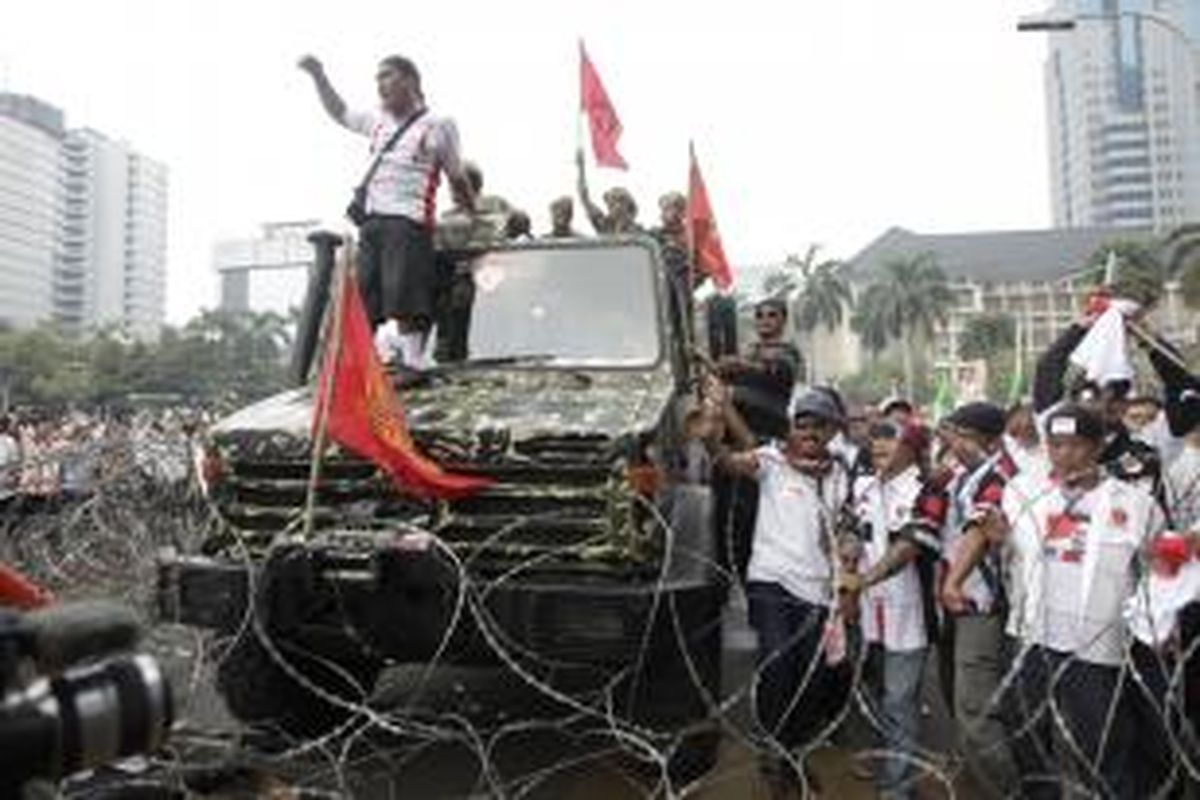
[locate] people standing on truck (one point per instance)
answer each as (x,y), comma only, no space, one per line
(762,382)
(672,239)
(397,273)
(562,213)
(621,217)
(461,233)
(803,490)
(518,227)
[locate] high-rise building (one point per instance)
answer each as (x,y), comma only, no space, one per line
(82,226)
(112,258)
(31,133)
(1124,113)
(268,272)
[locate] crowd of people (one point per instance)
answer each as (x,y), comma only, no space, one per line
(1045,555)
(408,274)
(47,459)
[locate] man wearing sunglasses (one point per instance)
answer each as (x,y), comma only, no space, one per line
(762,382)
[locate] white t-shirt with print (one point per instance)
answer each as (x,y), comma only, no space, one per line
(406,182)
(892,611)
(1074,563)
(794,534)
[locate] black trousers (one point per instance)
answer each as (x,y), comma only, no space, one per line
(396,271)
(1056,700)
(796,694)
(1156,713)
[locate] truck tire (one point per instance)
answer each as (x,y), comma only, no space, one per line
(258,691)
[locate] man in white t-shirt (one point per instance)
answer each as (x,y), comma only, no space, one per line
(1076,539)
(397,274)
(791,576)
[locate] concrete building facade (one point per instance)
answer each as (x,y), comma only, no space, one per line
(31,133)
(268,272)
(112,261)
(1038,278)
(82,226)
(1123,113)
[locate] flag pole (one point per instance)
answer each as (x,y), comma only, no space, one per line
(579,107)
(333,338)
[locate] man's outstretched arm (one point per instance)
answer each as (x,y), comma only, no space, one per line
(331,101)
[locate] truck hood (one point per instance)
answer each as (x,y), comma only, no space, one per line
(524,403)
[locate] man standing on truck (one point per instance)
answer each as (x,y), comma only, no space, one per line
(396,254)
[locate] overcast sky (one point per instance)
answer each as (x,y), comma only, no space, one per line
(819,122)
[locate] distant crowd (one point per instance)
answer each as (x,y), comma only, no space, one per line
(51,457)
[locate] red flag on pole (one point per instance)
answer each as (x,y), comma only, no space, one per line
(602,117)
(707,253)
(363,413)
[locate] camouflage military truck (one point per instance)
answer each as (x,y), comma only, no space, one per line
(587,567)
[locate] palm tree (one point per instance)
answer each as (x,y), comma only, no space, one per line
(909,298)
(870,319)
(823,302)
(1180,253)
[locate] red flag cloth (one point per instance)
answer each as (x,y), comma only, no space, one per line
(17,591)
(602,117)
(707,253)
(364,413)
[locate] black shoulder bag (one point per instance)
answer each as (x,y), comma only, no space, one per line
(357,210)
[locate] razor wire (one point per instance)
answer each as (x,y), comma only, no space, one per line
(103,542)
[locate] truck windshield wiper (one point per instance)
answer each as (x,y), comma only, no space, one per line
(495,361)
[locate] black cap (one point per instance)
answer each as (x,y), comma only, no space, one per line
(816,404)
(1072,419)
(979,417)
(834,395)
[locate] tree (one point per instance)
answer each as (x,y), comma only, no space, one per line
(986,335)
(1140,271)
(1180,255)
(823,302)
(910,296)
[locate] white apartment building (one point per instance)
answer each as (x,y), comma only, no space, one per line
(112,257)
(268,272)
(83,230)
(30,201)
(1124,113)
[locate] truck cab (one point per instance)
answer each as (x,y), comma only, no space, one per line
(587,566)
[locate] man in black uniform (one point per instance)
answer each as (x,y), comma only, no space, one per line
(762,381)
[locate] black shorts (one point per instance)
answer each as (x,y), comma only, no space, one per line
(396,270)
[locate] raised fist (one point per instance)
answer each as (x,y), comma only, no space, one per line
(310,64)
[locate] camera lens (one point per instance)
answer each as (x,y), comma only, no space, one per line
(84,717)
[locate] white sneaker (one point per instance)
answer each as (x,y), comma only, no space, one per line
(387,342)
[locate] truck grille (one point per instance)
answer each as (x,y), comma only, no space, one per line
(554,500)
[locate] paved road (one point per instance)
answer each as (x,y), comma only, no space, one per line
(535,760)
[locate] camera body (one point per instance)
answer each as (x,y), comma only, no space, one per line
(73,695)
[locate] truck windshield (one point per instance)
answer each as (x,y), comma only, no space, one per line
(571,306)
